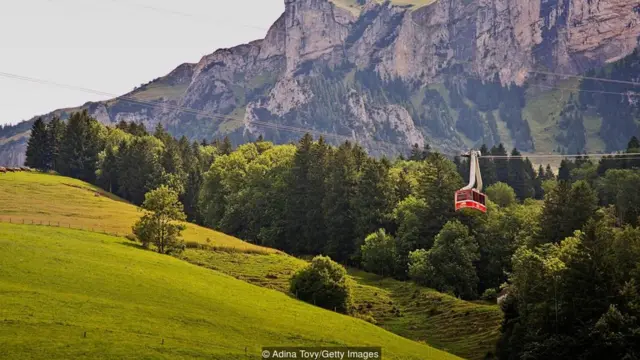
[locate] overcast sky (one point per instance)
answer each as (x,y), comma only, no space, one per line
(112,45)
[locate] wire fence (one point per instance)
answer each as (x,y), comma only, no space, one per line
(58,224)
(189,244)
(166,341)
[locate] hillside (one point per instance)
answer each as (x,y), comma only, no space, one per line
(467,329)
(463,328)
(32,198)
(454,74)
(83,294)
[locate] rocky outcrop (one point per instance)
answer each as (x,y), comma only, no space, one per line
(361,74)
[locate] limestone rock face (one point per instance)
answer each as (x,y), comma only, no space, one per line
(320,65)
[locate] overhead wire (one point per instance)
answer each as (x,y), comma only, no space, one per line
(297,129)
(188,110)
(289,127)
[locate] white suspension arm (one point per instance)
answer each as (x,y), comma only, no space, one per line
(474,175)
(478,176)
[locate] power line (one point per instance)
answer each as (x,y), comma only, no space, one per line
(288,127)
(587,78)
(576,156)
(200,113)
(297,129)
(586,91)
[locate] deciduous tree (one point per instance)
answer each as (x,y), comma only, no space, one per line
(158,225)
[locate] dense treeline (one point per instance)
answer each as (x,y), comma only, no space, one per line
(125,160)
(573,288)
(565,247)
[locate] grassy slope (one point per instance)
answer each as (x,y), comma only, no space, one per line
(45,198)
(58,283)
(157,91)
(466,329)
(437,320)
(542,110)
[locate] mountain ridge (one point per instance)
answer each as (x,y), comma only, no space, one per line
(395,72)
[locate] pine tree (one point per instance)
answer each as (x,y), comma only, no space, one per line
(416,153)
(552,219)
(502,164)
(296,234)
(426,150)
(437,178)
(108,171)
(549,175)
(540,177)
(55,131)
(373,200)
(316,232)
(162,135)
(582,206)
(634,145)
(37,146)
(139,168)
(487,167)
(123,125)
(341,188)
(520,176)
(80,148)
(226,147)
(564,173)
(566,209)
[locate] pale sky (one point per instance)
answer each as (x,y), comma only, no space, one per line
(112,45)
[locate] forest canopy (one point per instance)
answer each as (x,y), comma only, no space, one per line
(565,248)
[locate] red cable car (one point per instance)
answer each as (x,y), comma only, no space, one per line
(468,197)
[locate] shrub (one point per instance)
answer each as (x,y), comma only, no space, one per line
(323,283)
(379,253)
(366,317)
(490,295)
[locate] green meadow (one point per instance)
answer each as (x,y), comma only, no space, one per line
(56,283)
(57,200)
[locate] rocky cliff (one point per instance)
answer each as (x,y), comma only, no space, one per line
(451,73)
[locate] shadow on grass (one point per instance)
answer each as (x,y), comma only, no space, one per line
(97,192)
(132,244)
